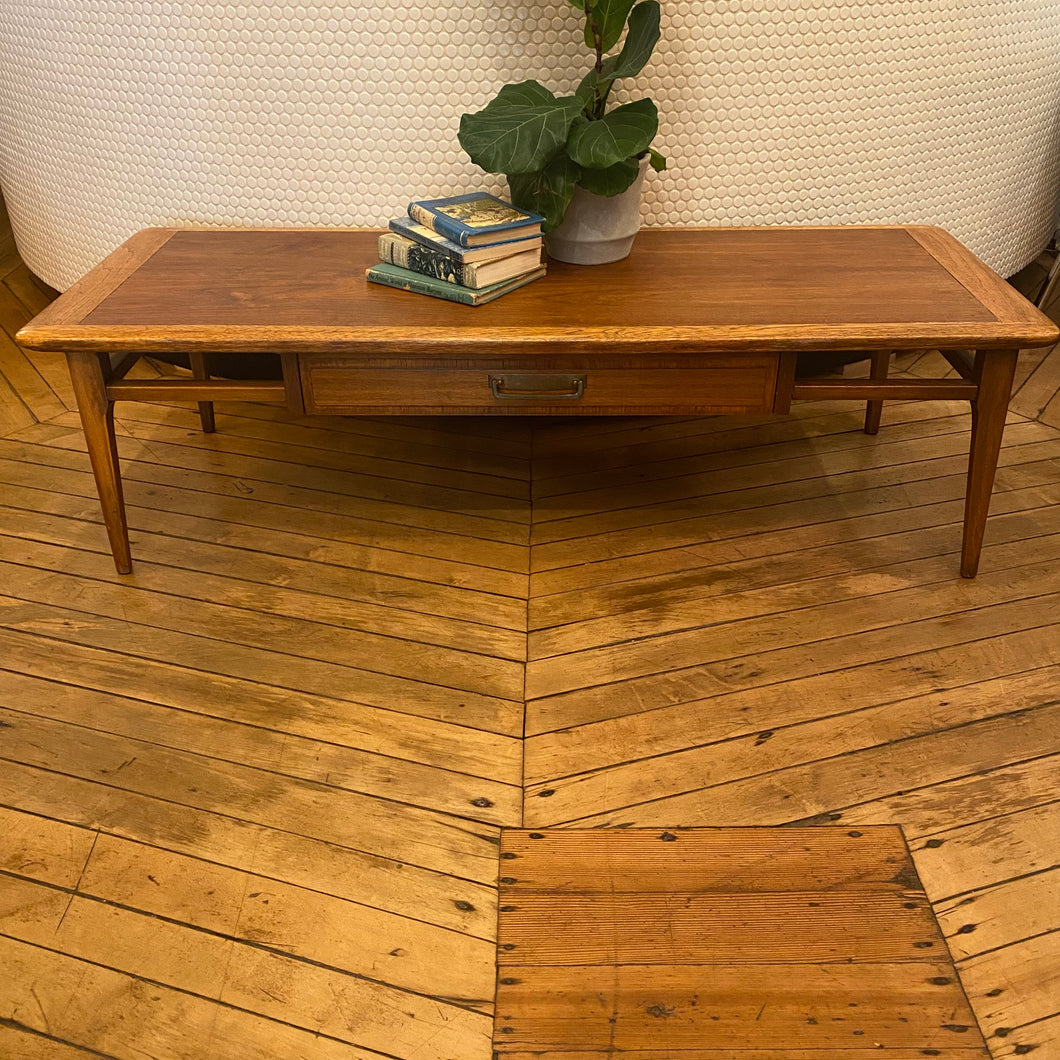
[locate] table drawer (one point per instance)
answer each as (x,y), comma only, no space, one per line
(347,385)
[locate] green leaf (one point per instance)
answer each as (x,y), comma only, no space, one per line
(611,181)
(609,16)
(658,161)
(640,41)
(521,128)
(525,92)
(624,132)
(547,192)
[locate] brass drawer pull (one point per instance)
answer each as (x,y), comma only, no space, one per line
(537,387)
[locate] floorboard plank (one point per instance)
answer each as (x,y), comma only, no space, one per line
(14,415)
(842,541)
(19,1041)
(50,367)
(983,853)
(43,849)
(261,464)
(808,613)
(34,294)
(386,661)
(325,762)
(660,442)
(379,575)
(29,658)
(278,668)
(375,881)
(935,681)
(653,607)
(328,598)
(25,381)
(743,666)
(1040,387)
(785,744)
(926,810)
(673,509)
(896,504)
(811,790)
(383,828)
(989,918)
(723,452)
(230,515)
(214,473)
(128,1017)
(282,918)
(1042,1036)
(1017,986)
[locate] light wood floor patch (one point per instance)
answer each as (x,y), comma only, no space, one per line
(662,941)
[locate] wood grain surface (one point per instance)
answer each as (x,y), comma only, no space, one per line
(698,290)
(652,954)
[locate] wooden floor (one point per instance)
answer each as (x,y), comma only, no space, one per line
(251,795)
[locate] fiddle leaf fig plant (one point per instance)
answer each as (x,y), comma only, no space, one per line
(547,145)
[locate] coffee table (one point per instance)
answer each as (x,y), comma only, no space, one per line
(694,322)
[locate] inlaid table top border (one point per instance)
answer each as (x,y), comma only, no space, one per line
(1010,319)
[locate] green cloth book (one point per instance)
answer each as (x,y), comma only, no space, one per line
(418,283)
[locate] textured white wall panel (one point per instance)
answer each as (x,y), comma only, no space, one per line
(119,114)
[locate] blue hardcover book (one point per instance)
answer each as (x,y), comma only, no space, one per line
(475,219)
(405,226)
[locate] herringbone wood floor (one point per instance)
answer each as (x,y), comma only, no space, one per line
(215,847)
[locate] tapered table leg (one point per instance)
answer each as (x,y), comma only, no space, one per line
(200,371)
(880,366)
(994,371)
(88,372)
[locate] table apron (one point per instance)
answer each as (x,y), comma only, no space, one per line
(355,385)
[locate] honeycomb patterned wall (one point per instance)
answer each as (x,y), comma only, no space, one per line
(116,115)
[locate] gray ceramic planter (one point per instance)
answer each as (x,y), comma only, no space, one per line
(597,229)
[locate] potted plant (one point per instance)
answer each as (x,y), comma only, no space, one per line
(549,146)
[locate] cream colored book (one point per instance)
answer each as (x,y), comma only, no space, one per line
(397,250)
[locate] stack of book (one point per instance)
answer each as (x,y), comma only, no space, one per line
(465,248)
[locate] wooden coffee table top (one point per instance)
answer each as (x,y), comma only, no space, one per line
(694,290)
